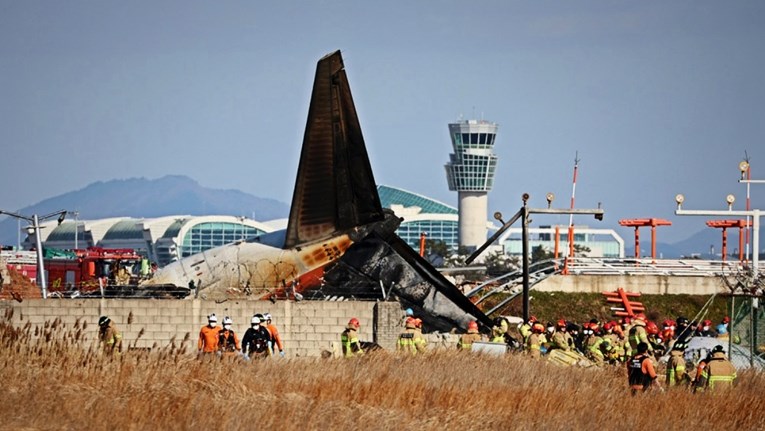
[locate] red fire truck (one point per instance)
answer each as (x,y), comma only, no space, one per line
(83,269)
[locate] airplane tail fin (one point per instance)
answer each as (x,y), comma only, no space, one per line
(335,189)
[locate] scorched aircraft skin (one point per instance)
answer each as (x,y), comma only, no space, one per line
(337,229)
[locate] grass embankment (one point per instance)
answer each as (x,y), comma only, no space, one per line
(54,379)
(581,307)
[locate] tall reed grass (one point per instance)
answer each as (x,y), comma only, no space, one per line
(55,377)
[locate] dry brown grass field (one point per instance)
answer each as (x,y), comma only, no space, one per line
(53,377)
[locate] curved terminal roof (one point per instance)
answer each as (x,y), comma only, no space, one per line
(390,196)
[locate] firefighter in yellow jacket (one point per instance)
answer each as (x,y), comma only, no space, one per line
(676,375)
(109,336)
(349,339)
(719,372)
(410,340)
(466,340)
(536,340)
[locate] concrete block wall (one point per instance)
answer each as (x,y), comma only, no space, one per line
(307,328)
(648,284)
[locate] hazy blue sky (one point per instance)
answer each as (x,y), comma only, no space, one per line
(658,97)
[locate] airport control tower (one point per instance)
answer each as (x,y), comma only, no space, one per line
(470,172)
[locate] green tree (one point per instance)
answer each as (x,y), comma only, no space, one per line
(499,263)
(540,253)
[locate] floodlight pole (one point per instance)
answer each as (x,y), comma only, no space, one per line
(523,214)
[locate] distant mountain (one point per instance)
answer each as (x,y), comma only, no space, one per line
(143,198)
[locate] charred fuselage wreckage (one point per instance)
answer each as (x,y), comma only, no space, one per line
(339,241)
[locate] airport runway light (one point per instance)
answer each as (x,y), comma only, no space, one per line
(679,198)
(730,199)
(755,214)
(35,220)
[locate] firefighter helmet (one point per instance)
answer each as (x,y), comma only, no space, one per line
(267,316)
(651,328)
(255,320)
(103,321)
(409,324)
(538,328)
(561,324)
(418,322)
(354,323)
(227,321)
(212,318)
(473,325)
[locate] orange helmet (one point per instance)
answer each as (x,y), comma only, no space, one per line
(651,328)
(538,328)
(473,325)
(608,326)
(640,316)
(561,323)
(532,319)
(418,322)
(410,323)
(354,322)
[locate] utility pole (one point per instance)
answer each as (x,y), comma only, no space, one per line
(523,214)
(35,221)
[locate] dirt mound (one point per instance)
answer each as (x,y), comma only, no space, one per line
(19,289)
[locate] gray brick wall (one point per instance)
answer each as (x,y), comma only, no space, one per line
(307,328)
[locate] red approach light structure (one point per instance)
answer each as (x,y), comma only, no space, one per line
(628,308)
(724,225)
(637,223)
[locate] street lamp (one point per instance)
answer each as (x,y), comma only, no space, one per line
(35,220)
(523,214)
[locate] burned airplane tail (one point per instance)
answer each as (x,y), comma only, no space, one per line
(335,193)
(335,189)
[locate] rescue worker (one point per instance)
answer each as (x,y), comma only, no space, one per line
(578,336)
(561,339)
(594,343)
(208,336)
(683,332)
(638,333)
(719,373)
(349,339)
(498,330)
(667,332)
(641,374)
(722,332)
(676,375)
(616,351)
(256,340)
(626,328)
(109,336)
(705,329)
(536,340)
(228,342)
(419,341)
(407,340)
(467,339)
(277,339)
(525,329)
(654,339)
